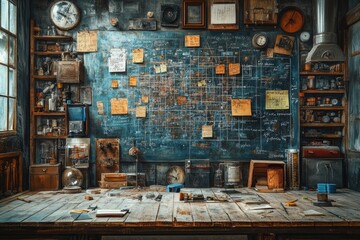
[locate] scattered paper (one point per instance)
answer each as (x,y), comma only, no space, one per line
(119,106)
(138,55)
(87,41)
(241,107)
(234,69)
(277,99)
(207,131)
(220,69)
(132,81)
(145,99)
(313,213)
(100,107)
(192,41)
(141,111)
(202,83)
(117,60)
(224,13)
(163,68)
(114,84)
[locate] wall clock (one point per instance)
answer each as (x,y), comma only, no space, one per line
(292,19)
(65,15)
(259,40)
(175,174)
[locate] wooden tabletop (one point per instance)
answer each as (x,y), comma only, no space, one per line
(242,212)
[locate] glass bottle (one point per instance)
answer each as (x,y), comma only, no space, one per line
(48,129)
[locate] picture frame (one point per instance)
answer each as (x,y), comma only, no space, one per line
(223,15)
(260,12)
(194,14)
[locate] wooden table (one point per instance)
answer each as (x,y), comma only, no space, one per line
(48,214)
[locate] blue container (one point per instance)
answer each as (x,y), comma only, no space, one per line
(331,188)
(322,188)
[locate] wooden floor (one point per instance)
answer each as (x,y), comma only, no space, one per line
(245,212)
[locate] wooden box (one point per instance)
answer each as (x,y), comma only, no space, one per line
(259,170)
(70,72)
(321,152)
(45,177)
(114,177)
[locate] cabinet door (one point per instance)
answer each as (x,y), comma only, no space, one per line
(44,182)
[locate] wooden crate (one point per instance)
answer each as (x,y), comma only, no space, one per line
(259,169)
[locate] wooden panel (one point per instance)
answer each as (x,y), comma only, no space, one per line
(10,173)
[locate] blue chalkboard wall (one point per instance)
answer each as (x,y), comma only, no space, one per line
(171,132)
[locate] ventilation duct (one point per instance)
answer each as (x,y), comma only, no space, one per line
(325,48)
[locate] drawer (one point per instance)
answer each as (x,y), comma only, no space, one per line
(45,169)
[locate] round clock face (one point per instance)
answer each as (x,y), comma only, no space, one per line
(259,40)
(175,174)
(292,20)
(64,15)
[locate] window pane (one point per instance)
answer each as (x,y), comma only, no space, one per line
(12,85)
(12,18)
(3,80)
(4,14)
(12,109)
(3,116)
(12,51)
(3,47)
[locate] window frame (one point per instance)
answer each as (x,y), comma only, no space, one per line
(10,66)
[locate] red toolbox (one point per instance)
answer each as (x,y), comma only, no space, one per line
(321,152)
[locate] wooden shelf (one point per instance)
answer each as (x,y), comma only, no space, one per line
(329,136)
(329,108)
(321,73)
(322,124)
(336,91)
(48,53)
(49,114)
(44,77)
(53,38)
(49,137)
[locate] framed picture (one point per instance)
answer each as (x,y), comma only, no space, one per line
(193,14)
(223,15)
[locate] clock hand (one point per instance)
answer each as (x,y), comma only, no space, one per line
(62,14)
(291,20)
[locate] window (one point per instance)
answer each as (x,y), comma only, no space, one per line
(8,33)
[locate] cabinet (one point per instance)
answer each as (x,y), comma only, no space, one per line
(323,121)
(48,111)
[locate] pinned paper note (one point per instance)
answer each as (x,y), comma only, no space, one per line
(100,107)
(157,69)
(234,69)
(141,111)
(163,68)
(207,131)
(138,55)
(117,60)
(220,69)
(241,107)
(180,100)
(145,99)
(277,99)
(201,83)
(114,84)
(119,106)
(132,81)
(192,41)
(87,41)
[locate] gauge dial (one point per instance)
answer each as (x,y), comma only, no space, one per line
(259,40)
(292,20)
(175,174)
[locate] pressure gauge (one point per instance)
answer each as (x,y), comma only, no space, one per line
(259,40)
(304,36)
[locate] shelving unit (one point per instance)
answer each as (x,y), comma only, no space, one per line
(47,142)
(323,117)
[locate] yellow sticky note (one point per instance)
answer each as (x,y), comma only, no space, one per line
(132,81)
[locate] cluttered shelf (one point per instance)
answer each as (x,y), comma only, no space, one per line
(145,210)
